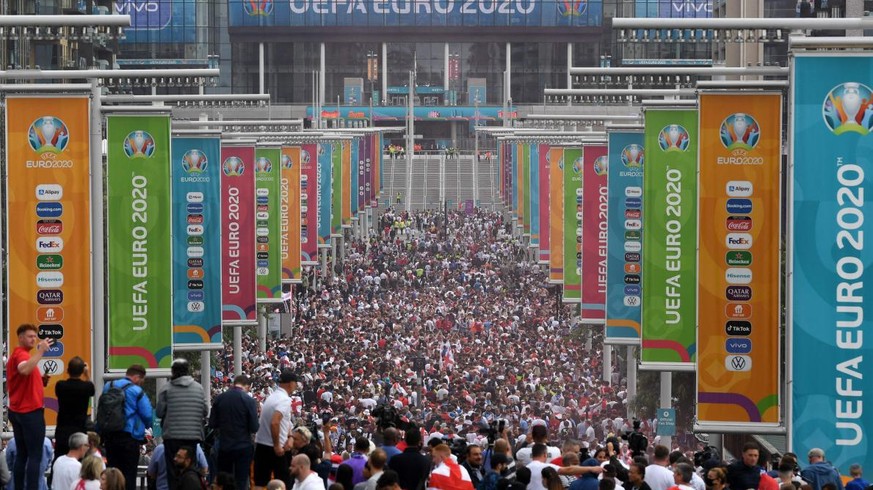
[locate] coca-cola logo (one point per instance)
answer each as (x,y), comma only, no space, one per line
(49,227)
(738,223)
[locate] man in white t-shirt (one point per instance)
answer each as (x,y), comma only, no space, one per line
(304,477)
(65,470)
(539,434)
(538,462)
(272,440)
(658,475)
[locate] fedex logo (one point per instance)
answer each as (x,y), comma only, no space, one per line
(738,241)
(49,245)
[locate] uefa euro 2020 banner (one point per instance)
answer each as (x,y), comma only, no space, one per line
(457,14)
(516,185)
(268,189)
(196,172)
(357,168)
(336,192)
(309,203)
(346,169)
(832,146)
(625,194)
(670,242)
(543,200)
(48,229)
(138,257)
(738,275)
(290,214)
(325,187)
(594,211)
(572,240)
(556,215)
(239,287)
(534,194)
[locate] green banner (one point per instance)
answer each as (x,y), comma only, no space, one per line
(573,165)
(138,227)
(336,208)
(670,240)
(268,189)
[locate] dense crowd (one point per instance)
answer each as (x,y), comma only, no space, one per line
(435,357)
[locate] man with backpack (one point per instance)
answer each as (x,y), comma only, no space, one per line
(124,412)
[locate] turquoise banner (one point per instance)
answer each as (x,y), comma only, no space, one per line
(196,174)
(625,194)
(325,171)
(832,148)
(534,195)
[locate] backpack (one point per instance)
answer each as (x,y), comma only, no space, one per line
(111,414)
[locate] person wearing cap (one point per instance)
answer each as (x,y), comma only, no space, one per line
(272,439)
(235,414)
(819,472)
(182,409)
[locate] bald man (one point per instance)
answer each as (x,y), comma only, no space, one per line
(304,478)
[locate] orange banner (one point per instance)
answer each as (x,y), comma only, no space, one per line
(347,183)
(48,211)
(290,216)
(556,215)
(739,267)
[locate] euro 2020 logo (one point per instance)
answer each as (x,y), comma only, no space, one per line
(194,161)
(632,156)
(256,8)
(601,165)
(233,166)
(849,107)
(674,138)
(572,8)
(578,165)
(740,132)
(48,135)
(287,163)
(263,165)
(139,144)
(304,157)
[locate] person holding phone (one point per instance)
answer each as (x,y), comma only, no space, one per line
(26,405)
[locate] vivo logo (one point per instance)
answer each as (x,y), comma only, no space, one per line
(693,7)
(130,6)
(738,346)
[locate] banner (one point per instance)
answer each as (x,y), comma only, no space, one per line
(290,215)
(670,242)
(268,230)
(325,169)
(196,183)
(739,252)
(534,195)
(831,148)
(543,199)
(48,229)
(556,215)
(378,157)
(594,210)
(138,256)
(336,192)
(239,287)
(357,171)
(369,163)
(573,165)
(346,172)
(516,184)
(625,193)
(524,177)
(309,204)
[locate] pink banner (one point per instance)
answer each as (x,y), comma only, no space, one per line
(545,166)
(238,235)
(309,204)
(594,213)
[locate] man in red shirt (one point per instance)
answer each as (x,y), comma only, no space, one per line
(26,406)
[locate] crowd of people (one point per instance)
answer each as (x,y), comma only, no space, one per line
(434,357)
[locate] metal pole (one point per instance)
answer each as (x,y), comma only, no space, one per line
(206,376)
(508,85)
(666,400)
(261,67)
(443,177)
(476,154)
(607,362)
(237,350)
(384,74)
(321,72)
(446,74)
(410,138)
(631,379)
(262,328)
(569,75)
(97,234)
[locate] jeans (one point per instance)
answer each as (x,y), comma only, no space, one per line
(241,461)
(122,452)
(29,430)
